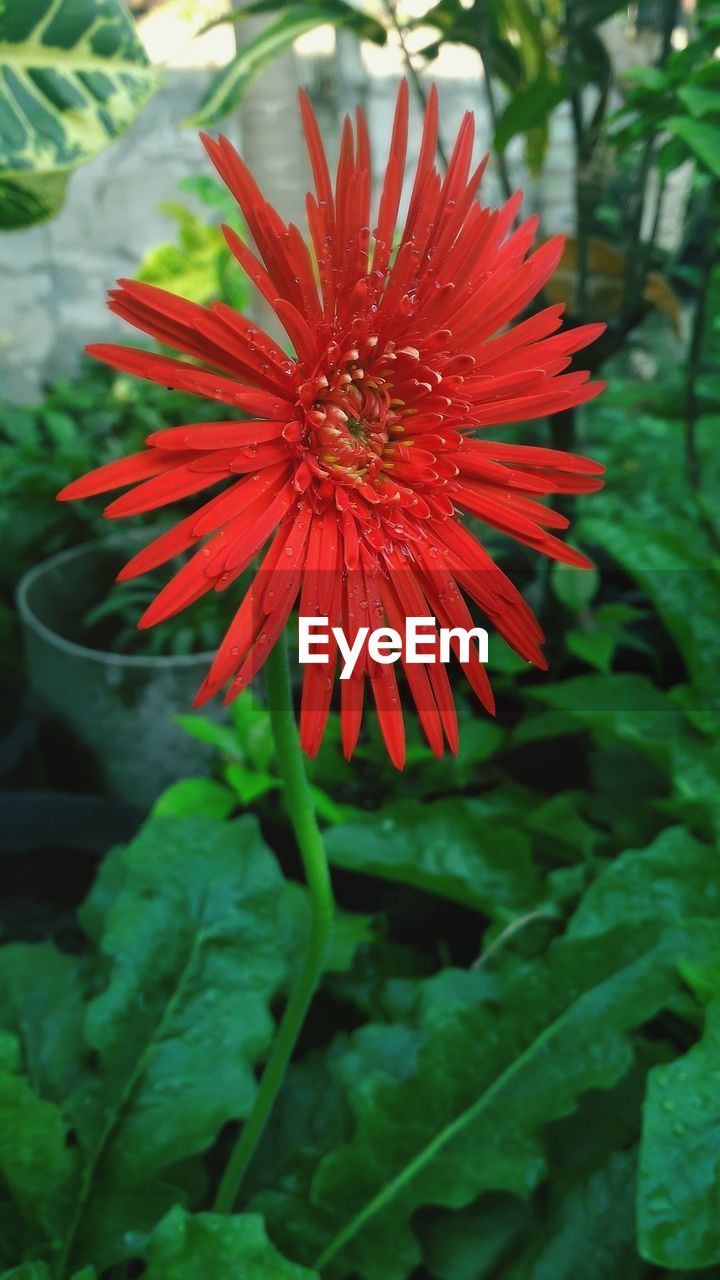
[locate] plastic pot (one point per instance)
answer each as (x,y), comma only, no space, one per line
(120,707)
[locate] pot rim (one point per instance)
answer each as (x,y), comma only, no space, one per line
(105,656)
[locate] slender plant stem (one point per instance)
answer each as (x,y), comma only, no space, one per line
(694,369)
(484,47)
(390,8)
(692,463)
(301,811)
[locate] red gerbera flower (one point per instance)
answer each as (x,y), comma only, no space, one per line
(363,449)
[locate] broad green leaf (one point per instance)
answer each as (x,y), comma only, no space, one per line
(37,1162)
(41,1002)
(293,20)
(623,706)
(596,643)
(504,659)
(210,1247)
(677,575)
(471,1244)
(456,1107)
(679,1174)
(199,796)
(253,731)
(594,648)
(186,921)
(700,137)
(329,811)
(628,709)
(215,735)
(561,822)
(250,784)
(542,726)
(574,588)
(349,930)
(448,847)
(480,741)
(674,877)
(588,1230)
(528,108)
(73,74)
(699,101)
(310,1117)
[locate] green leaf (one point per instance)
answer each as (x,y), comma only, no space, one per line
(628,709)
(215,735)
(503,659)
(700,137)
(471,1245)
(365,26)
(560,821)
(454,1108)
(186,920)
(199,796)
(349,930)
(250,784)
(41,1001)
(674,877)
(596,643)
(699,102)
(36,1161)
(210,1247)
(596,648)
(623,706)
(588,1229)
(328,810)
(197,267)
(675,572)
(679,1190)
(574,588)
(528,108)
(294,20)
(74,75)
(253,731)
(448,847)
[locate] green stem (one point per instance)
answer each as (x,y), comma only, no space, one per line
(391,10)
(301,811)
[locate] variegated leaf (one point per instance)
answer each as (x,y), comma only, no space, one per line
(73,74)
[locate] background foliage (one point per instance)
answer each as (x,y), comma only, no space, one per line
(511,1070)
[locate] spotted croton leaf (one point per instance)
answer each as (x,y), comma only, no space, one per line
(73,74)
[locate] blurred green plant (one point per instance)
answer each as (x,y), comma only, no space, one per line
(82,423)
(199,265)
(509,1056)
(111,624)
(512,1053)
(246,763)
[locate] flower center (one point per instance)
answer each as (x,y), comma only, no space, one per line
(350,420)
